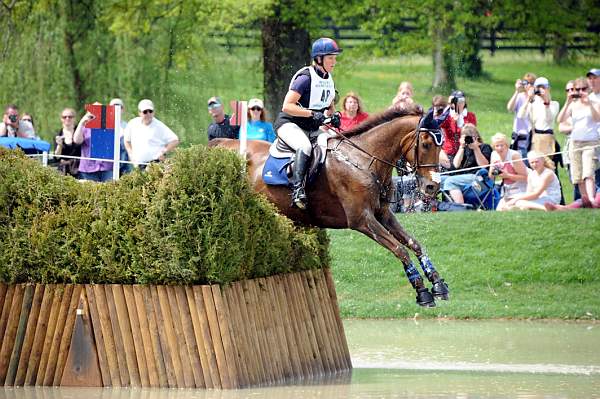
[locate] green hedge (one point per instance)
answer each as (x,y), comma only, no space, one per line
(192,220)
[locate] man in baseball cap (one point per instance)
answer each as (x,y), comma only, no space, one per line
(220,127)
(146,138)
(593,78)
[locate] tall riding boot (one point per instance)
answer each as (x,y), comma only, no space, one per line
(300,167)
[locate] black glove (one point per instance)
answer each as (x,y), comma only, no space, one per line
(336,120)
(318,117)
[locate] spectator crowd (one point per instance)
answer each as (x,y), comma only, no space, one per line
(524,167)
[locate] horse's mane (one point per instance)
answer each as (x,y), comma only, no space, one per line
(383,117)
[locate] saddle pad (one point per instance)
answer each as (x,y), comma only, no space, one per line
(275,171)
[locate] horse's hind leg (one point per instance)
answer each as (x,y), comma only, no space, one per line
(439,287)
(373,228)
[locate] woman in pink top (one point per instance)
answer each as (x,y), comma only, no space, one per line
(352,111)
(508,165)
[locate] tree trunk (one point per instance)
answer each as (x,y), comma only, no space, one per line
(285,49)
(560,51)
(443,64)
(76,26)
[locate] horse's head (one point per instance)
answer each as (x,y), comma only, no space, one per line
(421,151)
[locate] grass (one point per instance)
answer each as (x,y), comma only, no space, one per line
(513,265)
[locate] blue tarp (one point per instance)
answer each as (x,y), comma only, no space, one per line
(27,145)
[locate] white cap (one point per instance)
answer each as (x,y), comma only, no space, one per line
(145,104)
(116,101)
(541,82)
(255,102)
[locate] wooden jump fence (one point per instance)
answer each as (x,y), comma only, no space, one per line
(256,332)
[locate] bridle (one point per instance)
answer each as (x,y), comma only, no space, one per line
(403,167)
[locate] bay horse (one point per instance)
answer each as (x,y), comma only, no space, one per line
(354,186)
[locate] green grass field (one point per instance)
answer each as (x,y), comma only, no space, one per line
(516,264)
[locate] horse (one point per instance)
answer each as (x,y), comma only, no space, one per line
(354,186)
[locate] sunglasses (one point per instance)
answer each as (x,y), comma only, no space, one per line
(67,116)
(256,109)
(214,106)
(580,88)
(147,111)
(27,120)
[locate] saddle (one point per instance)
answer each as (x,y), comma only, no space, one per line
(278,168)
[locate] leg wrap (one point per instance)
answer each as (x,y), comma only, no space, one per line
(427,267)
(412,273)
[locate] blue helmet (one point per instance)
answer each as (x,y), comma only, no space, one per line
(324,46)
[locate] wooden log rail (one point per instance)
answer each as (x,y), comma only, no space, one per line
(258,332)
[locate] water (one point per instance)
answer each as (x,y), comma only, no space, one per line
(425,359)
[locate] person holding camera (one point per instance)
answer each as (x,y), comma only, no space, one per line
(458,118)
(13,126)
(541,111)
(521,126)
(471,153)
(507,164)
(585,116)
(65,145)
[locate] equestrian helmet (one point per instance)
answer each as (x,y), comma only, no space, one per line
(324,46)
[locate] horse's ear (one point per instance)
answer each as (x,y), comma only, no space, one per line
(427,122)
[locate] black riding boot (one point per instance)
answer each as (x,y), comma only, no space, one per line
(300,167)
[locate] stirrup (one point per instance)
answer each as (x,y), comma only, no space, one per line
(299,198)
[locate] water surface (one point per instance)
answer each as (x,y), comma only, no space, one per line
(425,359)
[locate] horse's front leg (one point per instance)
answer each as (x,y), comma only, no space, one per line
(439,287)
(370,226)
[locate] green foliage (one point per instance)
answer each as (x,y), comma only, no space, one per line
(195,220)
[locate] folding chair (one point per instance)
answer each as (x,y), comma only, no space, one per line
(482,194)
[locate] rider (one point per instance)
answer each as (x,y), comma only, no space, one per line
(309,99)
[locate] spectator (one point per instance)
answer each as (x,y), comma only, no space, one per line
(257,127)
(541,111)
(593,78)
(440,109)
(471,153)
(404,96)
(64,144)
(353,111)
(542,185)
(13,126)
(452,126)
(220,127)
(508,165)
(146,138)
(580,203)
(99,171)
(521,126)
(565,128)
(585,116)
(123,167)
(29,118)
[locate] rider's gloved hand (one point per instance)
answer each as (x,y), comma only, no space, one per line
(318,117)
(336,120)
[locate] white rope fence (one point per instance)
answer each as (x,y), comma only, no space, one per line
(50,155)
(512,161)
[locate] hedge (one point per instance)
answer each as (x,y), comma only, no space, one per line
(191,220)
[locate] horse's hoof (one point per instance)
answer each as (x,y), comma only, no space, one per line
(424,298)
(440,290)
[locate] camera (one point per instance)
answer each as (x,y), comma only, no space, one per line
(496,171)
(537,91)
(468,139)
(13,118)
(575,95)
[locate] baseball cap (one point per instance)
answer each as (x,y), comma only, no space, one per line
(145,104)
(255,102)
(457,94)
(214,101)
(593,71)
(541,81)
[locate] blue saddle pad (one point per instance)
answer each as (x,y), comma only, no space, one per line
(274,172)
